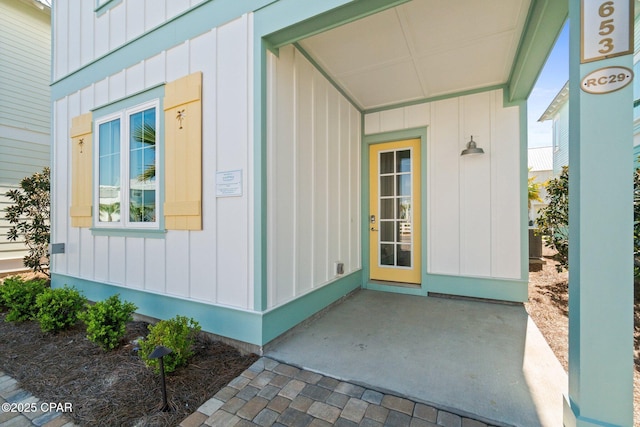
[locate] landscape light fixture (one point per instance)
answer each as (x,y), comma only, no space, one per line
(472,148)
(158,353)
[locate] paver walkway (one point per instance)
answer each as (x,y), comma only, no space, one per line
(269,393)
(276,394)
(19,408)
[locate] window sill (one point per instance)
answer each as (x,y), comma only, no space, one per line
(129,232)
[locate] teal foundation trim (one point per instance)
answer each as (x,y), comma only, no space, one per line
(544,23)
(395,288)
(281,319)
(478,287)
(474,287)
(229,322)
(187,25)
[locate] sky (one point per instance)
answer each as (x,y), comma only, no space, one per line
(551,80)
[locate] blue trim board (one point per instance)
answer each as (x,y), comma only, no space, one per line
(252,327)
(226,321)
(282,318)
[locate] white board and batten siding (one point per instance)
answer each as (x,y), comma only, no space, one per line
(25,108)
(473,202)
(77,45)
(313,157)
(211,265)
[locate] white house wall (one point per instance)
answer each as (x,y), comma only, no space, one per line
(313,174)
(76,45)
(473,203)
(211,265)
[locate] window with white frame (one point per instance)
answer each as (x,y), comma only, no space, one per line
(126,159)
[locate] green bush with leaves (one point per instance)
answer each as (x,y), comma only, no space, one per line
(29,216)
(107,321)
(178,334)
(553,219)
(19,296)
(58,309)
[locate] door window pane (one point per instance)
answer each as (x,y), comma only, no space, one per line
(404,255)
(403,161)
(386,231)
(386,209)
(386,162)
(404,185)
(387,255)
(386,186)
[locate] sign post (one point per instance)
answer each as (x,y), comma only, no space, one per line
(600,214)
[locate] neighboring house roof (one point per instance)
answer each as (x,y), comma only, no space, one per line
(540,159)
(561,98)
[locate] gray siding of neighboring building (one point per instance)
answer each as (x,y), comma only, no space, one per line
(25,112)
(561,139)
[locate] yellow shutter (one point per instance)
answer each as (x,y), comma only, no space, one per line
(183,153)
(81,171)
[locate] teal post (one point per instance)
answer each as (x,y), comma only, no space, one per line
(600,229)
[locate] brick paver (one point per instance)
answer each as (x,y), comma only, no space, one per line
(270,393)
(284,395)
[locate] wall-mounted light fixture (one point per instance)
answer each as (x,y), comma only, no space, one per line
(472,148)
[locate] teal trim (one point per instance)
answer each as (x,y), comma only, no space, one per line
(187,25)
(479,287)
(524,193)
(288,21)
(544,24)
(368,140)
(475,287)
(229,322)
(435,98)
(242,325)
(154,92)
(106,5)
(260,176)
(282,318)
(327,76)
(395,289)
(636,156)
(601,288)
(147,95)
(127,232)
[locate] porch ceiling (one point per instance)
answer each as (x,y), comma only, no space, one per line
(422,49)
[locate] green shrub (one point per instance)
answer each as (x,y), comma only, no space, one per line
(178,334)
(59,308)
(107,321)
(19,297)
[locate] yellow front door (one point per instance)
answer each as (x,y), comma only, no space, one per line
(394,211)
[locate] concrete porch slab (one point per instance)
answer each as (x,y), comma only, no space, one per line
(481,359)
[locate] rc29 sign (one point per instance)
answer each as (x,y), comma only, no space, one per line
(606,30)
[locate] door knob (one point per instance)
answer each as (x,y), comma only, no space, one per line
(374,229)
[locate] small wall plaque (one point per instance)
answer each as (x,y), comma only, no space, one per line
(229,183)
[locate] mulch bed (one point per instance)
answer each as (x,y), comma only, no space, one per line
(112,388)
(548,306)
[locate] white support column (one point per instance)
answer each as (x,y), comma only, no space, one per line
(601,218)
